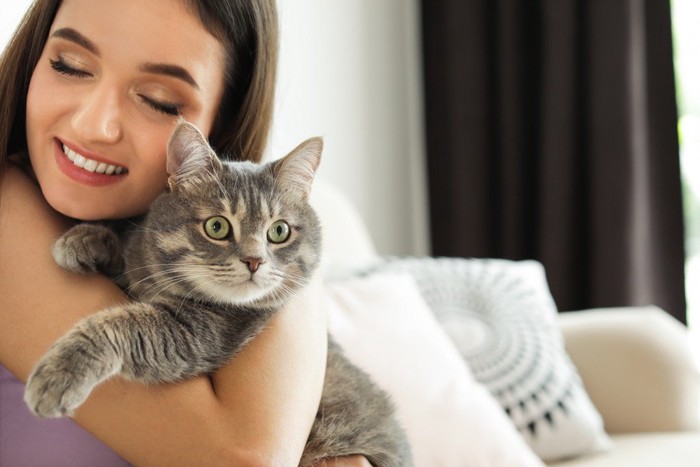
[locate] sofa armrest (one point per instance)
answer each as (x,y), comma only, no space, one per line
(637,367)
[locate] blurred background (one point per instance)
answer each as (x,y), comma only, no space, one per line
(350,71)
(553,130)
(686,14)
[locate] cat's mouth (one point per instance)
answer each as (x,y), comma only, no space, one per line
(244,292)
(90,164)
(252,288)
(253,285)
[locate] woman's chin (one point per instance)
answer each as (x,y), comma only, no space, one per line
(82,213)
(88,208)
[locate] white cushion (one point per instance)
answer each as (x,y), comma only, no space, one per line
(502,319)
(451,420)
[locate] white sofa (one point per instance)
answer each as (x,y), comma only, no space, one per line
(635,362)
(637,367)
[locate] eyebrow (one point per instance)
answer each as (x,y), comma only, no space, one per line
(174,71)
(72,35)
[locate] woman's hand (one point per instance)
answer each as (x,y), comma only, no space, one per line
(348,461)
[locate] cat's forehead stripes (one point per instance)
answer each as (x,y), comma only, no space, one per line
(234,216)
(265,210)
(240,207)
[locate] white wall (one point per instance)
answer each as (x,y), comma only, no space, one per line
(11,12)
(349,71)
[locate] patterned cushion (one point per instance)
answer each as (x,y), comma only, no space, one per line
(502,318)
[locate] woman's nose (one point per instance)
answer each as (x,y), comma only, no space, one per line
(98,117)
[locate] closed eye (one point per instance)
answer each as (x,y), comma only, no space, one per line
(63,68)
(167,108)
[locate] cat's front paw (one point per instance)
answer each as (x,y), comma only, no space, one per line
(86,248)
(53,391)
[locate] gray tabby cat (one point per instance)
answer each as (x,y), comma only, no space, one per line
(216,256)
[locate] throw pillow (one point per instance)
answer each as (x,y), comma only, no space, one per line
(501,317)
(451,420)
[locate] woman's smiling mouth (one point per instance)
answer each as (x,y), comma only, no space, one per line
(87,170)
(91,165)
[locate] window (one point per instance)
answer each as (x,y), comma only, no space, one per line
(686,17)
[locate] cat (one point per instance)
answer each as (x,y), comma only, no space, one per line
(216,256)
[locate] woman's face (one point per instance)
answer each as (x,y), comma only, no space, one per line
(111,83)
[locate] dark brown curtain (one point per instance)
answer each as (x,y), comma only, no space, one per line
(551,135)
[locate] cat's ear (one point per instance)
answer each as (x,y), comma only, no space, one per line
(190,158)
(295,172)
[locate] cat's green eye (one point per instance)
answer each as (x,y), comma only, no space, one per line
(279,232)
(217,227)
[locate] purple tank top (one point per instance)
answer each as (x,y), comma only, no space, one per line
(26,441)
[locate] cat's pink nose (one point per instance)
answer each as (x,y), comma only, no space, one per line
(253,263)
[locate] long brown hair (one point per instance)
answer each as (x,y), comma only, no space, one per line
(248,30)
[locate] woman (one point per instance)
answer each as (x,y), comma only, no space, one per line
(106,81)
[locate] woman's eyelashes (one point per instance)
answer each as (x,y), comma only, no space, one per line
(167,108)
(163,107)
(63,68)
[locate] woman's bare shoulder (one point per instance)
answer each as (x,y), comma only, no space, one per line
(27,222)
(20,197)
(39,301)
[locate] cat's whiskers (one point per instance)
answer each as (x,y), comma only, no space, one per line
(186,297)
(171,269)
(289,277)
(282,291)
(154,290)
(179,274)
(228,291)
(197,276)
(150,266)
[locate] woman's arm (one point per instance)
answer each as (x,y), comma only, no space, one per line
(257,410)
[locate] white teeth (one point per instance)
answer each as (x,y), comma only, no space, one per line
(79,160)
(91,165)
